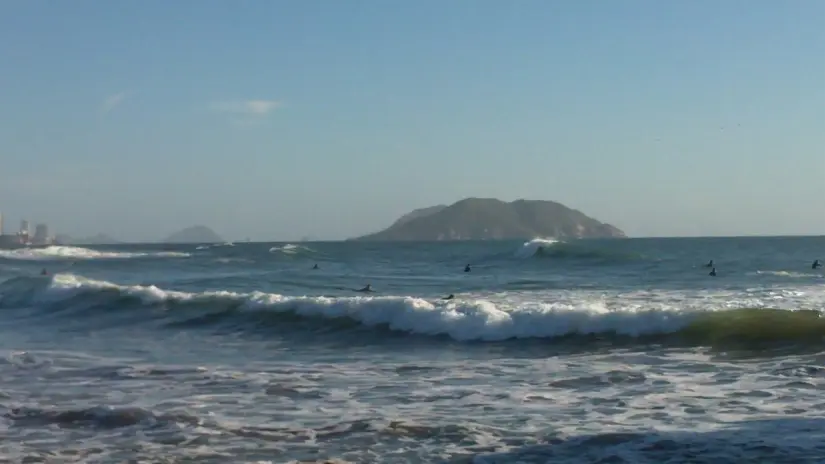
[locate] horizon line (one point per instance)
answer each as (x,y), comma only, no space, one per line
(651,237)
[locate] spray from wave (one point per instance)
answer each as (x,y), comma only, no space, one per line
(472,319)
(77,253)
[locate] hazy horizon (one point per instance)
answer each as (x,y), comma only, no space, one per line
(277,120)
(161,239)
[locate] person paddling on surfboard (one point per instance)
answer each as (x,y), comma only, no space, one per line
(366,289)
(449,297)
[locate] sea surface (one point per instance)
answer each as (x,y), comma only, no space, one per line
(615,351)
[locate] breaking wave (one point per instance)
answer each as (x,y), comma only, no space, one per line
(751,318)
(535,246)
(790,274)
(57,252)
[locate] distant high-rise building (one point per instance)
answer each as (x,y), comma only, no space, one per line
(24,227)
(1,224)
(41,234)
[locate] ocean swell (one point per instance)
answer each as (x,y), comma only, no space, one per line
(488,318)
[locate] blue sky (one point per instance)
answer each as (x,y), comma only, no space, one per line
(276,120)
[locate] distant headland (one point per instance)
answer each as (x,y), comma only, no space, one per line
(194,234)
(492,219)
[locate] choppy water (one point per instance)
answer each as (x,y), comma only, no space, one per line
(588,351)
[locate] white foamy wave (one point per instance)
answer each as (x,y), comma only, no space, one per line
(290,249)
(486,318)
(215,245)
(76,253)
(233,260)
(529,249)
(792,274)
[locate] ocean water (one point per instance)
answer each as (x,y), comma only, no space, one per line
(616,351)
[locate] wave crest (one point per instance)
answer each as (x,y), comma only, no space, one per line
(535,246)
(474,319)
(578,249)
(60,252)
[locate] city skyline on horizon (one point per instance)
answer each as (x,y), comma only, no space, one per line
(661,119)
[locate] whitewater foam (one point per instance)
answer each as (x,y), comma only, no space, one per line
(78,253)
(490,317)
(792,274)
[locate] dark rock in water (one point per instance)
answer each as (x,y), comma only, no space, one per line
(194,234)
(491,219)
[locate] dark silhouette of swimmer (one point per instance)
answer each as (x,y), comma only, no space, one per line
(449,297)
(709,264)
(315,267)
(366,289)
(712,272)
(44,272)
(467,268)
(816,264)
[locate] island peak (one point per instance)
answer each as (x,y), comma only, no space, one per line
(492,219)
(194,234)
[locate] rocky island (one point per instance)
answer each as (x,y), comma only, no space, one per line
(491,219)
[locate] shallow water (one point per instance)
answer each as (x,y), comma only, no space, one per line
(588,351)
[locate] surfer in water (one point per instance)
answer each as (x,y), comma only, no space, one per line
(709,264)
(44,272)
(712,272)
(449,297)
(366,289)
(315,267)
(816,264)
(467,268)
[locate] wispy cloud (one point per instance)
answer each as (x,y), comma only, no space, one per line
(258,108)
(112,101)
